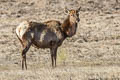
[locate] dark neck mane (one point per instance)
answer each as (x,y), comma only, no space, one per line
(64,26)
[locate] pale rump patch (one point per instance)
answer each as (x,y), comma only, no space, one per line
(22,28)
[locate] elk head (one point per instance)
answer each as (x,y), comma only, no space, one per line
(73,19)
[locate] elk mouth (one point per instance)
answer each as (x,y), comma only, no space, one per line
(77,20)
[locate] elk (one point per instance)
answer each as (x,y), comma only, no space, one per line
(49,34)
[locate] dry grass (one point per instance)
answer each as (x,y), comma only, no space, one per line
(66,73)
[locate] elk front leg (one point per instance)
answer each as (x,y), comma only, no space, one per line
(53,56)
(51,52)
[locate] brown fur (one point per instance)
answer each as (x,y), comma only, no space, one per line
(49,34)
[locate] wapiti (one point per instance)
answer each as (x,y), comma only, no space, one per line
(48,34)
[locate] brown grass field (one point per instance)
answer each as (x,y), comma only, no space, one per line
(92,54)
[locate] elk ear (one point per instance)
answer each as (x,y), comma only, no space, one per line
(66,10)
(78,9)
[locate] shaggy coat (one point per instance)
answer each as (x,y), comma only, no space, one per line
(48,34)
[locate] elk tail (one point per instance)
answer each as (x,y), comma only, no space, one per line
(19,39)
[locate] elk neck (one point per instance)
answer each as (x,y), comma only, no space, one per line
(66,25)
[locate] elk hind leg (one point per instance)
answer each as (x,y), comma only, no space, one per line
(24,51)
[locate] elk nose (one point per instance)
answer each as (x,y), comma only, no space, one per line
(78,19)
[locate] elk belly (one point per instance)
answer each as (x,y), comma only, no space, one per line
(44,39)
